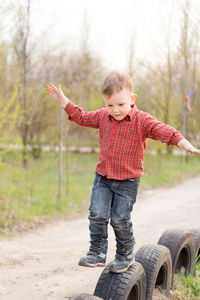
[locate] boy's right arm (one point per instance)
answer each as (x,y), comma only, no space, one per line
(57,94)
(74,112)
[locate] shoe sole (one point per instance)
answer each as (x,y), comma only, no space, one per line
(122,270)
(84,264)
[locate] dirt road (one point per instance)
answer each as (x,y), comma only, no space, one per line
(42,264)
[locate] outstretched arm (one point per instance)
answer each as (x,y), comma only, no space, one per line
(184,144)
(57,94)
(75,113)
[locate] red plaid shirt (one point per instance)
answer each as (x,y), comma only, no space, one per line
(122,143)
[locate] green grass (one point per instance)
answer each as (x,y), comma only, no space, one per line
(168,170)
(188,287)
(29,196)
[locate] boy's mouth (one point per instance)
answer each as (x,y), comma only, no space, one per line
(117,116)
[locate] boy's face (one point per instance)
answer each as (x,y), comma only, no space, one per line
(119,104)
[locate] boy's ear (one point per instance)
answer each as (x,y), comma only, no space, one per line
(133,98)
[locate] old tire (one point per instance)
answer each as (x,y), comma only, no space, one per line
(122,286)
(182,248)
(196,235)
(157,263)
(84,297)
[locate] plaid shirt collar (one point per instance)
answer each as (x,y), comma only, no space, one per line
(128,117)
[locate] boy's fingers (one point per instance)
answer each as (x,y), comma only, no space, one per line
(48,87)
(51,87)
(50,84)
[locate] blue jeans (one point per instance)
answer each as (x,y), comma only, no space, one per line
(112,200)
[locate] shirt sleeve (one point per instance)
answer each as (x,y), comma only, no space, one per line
(157,130)
(78,115)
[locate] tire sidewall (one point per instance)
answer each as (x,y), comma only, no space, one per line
(187,245)
(157,263)
(138,282)
(132,281)
(178,241)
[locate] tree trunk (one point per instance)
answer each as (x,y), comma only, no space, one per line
(60,155)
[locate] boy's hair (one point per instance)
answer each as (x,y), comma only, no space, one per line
(115,82)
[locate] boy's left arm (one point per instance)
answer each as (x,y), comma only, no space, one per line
(184,144)
(157,130)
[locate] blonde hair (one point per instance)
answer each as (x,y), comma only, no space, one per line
(115,82)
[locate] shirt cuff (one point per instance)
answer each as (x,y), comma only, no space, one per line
(69,106)
(177,137)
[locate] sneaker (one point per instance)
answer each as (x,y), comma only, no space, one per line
(93,259)
(121,263)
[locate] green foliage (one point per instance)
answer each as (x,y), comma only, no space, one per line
(30,195)
(44,116)
(164,169)
(188,286)
(9,109)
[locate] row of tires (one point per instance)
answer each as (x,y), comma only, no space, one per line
(155,266)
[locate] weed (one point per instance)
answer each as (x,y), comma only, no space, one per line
(27,195)
(188,286)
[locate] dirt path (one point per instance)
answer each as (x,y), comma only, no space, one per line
(43,264)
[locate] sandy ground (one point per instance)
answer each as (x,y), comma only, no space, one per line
(43,264)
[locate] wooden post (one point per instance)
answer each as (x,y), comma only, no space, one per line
(60,155)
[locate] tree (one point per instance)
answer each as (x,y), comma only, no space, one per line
(23,63)
(188,73)
(9,109)
(83,76)
(9,105)
(165,84)
(34,110)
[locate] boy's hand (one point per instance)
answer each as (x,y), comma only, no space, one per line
(57,94)
(184,144)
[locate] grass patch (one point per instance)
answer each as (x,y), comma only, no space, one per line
(187,287)
(26,196)
(29,196)
(168,170)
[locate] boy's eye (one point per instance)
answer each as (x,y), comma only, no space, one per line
(121,104)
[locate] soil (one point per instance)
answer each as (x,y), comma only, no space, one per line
(43,263)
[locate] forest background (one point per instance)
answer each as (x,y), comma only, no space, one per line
(30,120)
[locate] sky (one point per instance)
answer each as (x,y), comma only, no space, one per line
(112,27)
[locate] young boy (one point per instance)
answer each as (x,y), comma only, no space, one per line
(123,130)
